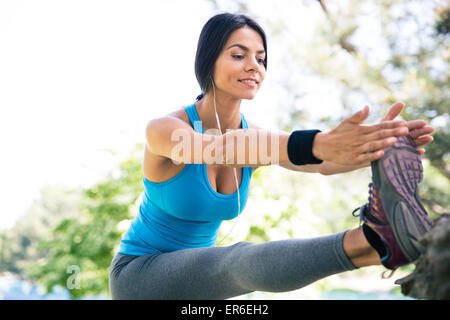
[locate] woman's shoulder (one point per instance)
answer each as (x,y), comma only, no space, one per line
(179,114)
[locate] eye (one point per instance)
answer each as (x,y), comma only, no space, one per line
(238,56)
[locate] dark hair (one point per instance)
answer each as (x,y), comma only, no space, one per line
(213,37)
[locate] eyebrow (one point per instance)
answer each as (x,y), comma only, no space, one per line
(243,47)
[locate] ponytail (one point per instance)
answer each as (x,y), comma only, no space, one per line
(200,96)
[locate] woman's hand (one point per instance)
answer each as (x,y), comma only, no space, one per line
(351,143)
(418,129)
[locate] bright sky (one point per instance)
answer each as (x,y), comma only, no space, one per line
(78,77)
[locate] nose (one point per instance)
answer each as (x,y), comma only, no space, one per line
(252,64)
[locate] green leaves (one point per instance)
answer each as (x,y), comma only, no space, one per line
(88,241)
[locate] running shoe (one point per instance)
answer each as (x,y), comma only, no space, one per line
(394,212)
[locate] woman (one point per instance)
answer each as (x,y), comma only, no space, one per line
(169,250)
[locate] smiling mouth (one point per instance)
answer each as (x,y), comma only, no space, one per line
(249,82)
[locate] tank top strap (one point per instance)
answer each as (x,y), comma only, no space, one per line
(197,123)
(244,122)
(194,118)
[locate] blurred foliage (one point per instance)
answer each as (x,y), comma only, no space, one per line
(89,240)
(18,246)
(410,63)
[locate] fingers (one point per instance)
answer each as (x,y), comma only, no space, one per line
(359,116)
(369,157)
(385,125)
(373,156)
(387,139)
(377,145)
(416,124)
(423,140)
(383,134)
(372,150)
(394,111)
(415,133)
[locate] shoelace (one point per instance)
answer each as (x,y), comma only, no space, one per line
(373,203)
(361,213)
(366,206)
(383,276)
(374,200)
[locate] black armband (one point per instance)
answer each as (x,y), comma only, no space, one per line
(299,147)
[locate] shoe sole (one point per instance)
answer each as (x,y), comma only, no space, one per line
(397,175)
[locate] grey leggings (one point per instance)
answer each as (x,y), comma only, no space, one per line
(225,272)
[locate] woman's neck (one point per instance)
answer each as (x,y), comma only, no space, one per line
(228,111)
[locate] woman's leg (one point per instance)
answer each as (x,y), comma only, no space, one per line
(358,249)
(225,272)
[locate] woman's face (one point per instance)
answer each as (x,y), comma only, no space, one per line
(241,58)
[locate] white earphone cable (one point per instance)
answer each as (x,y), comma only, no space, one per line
(235,175)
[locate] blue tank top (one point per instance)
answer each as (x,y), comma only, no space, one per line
(184,211)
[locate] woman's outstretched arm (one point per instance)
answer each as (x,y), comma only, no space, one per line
(349,144)
(418,130)
(348,147)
